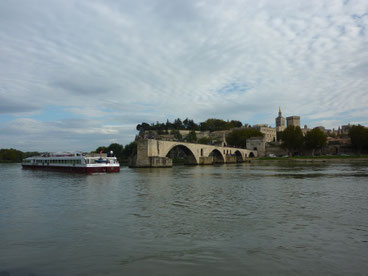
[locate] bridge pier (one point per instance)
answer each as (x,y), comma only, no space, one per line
(230,159)
(144,158)
(206,160)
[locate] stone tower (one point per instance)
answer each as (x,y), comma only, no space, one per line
(280,122)
(293,121)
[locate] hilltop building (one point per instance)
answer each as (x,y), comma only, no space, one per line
(280,122)
(345,129)
(305,129)
(293,121)
(257,143)
(269,132)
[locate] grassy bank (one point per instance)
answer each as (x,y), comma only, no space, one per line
(316,158)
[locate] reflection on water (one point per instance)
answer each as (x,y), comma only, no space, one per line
(252,218)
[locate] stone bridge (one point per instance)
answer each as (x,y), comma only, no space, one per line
(156,153)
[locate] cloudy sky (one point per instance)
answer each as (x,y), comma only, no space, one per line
(77,74)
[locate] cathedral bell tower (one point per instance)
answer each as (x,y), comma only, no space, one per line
(280,122)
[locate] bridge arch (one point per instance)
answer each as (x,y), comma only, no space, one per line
(251,154)
(218,158)
(239,156)
(184,152)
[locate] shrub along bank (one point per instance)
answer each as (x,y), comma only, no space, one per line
(14,156)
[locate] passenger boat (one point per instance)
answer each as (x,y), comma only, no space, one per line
(73,162)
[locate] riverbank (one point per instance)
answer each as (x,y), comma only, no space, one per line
(316,158)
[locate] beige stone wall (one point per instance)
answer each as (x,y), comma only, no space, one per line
(279,129)
(268,132)
(160,162)
(206,160)
(258,144)
(157,148)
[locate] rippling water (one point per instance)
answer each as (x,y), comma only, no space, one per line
(257,218)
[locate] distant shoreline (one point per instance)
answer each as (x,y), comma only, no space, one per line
(315,159)
(309,159)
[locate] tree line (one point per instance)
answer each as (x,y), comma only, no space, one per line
(14,156)
(188,124)
(293,140)
(359,138)
(121,152)
(238,137)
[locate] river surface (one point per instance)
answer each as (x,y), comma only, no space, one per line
(260,218)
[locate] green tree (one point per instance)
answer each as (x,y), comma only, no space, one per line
(190,124)
(315,139)
(102,149)
(142,127)
(359,137)
(186,123)
(117,149)
(215,125)
(238,137)
(14,156)
(121,153)
(236,123)
(208,125)
(292,139)
(130,150)
(178,124)
(11,156)
(177,135)
(168,125)
(191,137)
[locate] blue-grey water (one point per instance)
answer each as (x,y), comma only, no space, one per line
(248,219)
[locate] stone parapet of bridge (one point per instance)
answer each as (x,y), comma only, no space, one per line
(155,153)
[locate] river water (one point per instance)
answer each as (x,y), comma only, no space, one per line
(243,219)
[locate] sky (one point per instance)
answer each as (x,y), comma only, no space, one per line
(78,74)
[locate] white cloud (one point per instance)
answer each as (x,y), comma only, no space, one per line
(69,134)
(152,60)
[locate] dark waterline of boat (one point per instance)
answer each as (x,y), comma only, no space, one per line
(255,218)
